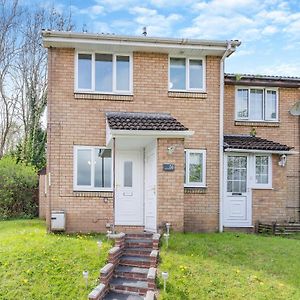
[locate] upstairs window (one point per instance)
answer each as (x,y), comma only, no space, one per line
(104,73)
(92,169)
(186,74)
(256,104)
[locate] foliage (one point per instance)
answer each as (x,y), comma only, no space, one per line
(230,266)
(18,183)
(36,265)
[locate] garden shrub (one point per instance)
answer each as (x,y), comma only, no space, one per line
(18,189)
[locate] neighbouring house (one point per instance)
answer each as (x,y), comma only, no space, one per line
(143,131)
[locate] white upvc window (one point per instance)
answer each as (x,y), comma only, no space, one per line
(262,171)
(186,74)
(195,168)
(103,73)
(256,104)
(92,169)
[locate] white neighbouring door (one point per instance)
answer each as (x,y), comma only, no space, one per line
(129,188)
(237,206)
(150,187)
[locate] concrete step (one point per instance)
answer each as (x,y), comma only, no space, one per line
(137,251)
(129,285)
(135,261)
(122,296)
(139,243)
(130,272)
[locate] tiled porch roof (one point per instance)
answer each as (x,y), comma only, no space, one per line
(248,142)
(143,121)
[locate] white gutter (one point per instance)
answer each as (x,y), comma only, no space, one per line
(111,133)
(260,151)
(231,46)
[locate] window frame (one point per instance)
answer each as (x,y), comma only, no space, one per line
(187,168)
(90,188)
(114,74)
(265,90)
(187,74)
(268,185)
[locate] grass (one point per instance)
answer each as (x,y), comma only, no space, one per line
(230,266)
(36,265)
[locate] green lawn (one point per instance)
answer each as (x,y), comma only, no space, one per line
(231,266)
(36,265)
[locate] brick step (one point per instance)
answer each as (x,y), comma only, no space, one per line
(135,261)
(137,251)
(140,243)
(139,236)
(129,285)
(130,272)
(122,296)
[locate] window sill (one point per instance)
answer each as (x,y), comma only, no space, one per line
(195,190)
(101,96)
(262,188)
(257,123)
(187,94)
(105,194)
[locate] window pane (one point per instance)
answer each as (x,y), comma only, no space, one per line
(103,71)
(177,74)
(242,104)
(123,74)
(84,160)
(262,169)
(196,74)
(236,174)
(195,167)
(256,104)
(84,71)
(270,105)
(128,173)
(103,166)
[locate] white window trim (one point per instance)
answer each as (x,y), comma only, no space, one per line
(187,74)
(114,83)
(90,188)
(270,173)
(187,167)
(265,89)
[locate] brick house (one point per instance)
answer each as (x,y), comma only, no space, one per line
(142,131)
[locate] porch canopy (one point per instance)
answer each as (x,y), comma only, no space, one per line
(249,143)
(142,124)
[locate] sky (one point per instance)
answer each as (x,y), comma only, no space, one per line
(268,29)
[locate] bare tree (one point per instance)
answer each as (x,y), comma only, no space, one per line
(31,79)
(9,17)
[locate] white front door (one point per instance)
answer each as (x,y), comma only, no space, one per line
(129,188)
(150,187)
(237,206)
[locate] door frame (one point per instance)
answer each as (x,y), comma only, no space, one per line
(248,190)
(153,147)
(117,169)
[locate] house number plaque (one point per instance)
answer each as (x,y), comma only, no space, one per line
(168,167)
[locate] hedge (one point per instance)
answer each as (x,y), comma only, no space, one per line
(18,189)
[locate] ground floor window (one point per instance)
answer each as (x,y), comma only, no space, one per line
(263,171)
(92,168)
(195,168)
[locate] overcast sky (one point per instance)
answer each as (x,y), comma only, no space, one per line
(269,29)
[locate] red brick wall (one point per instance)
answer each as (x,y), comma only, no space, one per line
(79,120)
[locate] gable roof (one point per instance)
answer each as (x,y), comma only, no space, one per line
(248,142)
(143,121)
